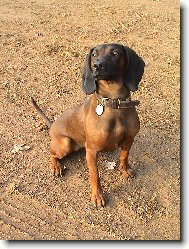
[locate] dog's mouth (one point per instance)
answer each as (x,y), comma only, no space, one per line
(102,75)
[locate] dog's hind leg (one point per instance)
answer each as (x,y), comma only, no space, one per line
(59,148)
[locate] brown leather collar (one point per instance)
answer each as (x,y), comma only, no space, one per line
(120,103)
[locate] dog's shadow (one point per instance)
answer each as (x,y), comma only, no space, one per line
(73,162)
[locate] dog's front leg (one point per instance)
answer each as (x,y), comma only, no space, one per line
(124,165)
(97,195)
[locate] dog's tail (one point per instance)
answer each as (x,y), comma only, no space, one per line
(47,121)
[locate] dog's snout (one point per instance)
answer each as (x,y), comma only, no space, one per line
(99,64)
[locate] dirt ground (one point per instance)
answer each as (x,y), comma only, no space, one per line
(43,44)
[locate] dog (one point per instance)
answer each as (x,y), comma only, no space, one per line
(107,120)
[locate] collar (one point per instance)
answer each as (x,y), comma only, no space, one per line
(119,103)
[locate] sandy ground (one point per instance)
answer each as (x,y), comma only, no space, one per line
(43,44)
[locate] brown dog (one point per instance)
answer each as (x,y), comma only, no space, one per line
(107,120)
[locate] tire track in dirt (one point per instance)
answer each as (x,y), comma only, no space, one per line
(25,218)
(22,214)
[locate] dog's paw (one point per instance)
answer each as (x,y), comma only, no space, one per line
(128,174)
(98,200)
(58,171)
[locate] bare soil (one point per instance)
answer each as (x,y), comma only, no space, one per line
(43,44)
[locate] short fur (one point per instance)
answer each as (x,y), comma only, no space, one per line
(111,71)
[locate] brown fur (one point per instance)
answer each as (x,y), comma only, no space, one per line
(82,127)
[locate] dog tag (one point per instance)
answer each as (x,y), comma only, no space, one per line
(99,109)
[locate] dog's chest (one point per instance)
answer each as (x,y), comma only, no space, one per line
(109,131)
(112,133)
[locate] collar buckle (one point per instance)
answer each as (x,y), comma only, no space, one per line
(118,103)
(104,100)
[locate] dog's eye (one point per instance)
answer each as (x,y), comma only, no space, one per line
(115,53)
(94,55)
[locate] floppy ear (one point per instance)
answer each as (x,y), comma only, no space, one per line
(134,69)
(89,85)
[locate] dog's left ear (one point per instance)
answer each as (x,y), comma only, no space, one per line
(89,85)
(134,69)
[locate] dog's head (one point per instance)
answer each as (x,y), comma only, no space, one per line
(112,62)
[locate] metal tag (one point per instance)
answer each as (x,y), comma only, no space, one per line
(99,109)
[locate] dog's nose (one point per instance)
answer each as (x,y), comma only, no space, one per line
(99,65)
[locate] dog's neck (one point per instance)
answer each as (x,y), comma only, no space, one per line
(112,89)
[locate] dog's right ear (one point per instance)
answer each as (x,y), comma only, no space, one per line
(89,85)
